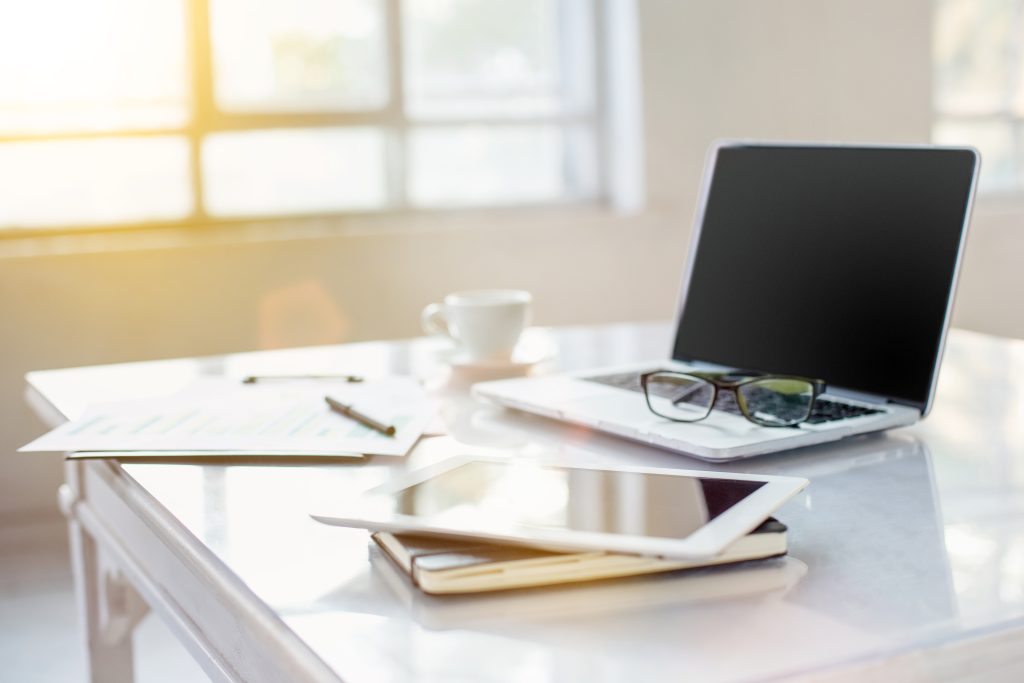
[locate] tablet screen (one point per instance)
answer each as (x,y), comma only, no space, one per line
(499,495)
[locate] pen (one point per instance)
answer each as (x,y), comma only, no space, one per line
(350,412)
(253,379)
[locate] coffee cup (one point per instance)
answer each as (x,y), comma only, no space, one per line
(485,324)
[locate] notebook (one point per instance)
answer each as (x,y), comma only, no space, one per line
(446,566)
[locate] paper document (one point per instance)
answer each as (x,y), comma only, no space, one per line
(209,455)
(222,415)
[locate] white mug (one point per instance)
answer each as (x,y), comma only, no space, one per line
(485,324)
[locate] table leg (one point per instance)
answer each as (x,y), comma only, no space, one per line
(108,607)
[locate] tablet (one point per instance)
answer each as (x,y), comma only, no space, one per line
(670,513)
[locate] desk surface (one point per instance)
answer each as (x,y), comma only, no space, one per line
(904,542)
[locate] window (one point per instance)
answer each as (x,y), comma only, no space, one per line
(979,85)
(119,112)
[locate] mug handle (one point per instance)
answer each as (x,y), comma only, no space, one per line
(433,322)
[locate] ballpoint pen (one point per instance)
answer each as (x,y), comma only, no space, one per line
(350,412)
(253,379)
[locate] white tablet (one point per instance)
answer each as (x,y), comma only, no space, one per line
(672,513)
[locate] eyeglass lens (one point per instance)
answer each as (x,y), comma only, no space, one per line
(679,397)
(777,402)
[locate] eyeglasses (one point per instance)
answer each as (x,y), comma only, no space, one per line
(766,400)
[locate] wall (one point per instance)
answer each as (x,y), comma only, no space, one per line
(992,280)
(785,69)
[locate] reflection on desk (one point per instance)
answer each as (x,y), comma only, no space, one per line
(881,558)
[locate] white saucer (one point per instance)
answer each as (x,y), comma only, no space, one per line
(521,359)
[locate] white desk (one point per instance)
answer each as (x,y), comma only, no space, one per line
(907,550)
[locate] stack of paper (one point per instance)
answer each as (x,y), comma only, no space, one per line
(221,415)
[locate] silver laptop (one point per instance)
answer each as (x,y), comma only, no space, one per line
(835,263)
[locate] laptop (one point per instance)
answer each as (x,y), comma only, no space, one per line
(831,262)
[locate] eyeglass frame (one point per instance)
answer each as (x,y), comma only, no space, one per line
(818,387)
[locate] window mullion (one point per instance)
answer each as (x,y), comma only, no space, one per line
(1014,91)
(221,121)
(583,29)
(94,134)
(397,160)
(203,107)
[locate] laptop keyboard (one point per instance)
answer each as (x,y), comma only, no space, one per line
(824,410)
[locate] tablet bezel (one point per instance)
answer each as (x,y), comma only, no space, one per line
(708,541)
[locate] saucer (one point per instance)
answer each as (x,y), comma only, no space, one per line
(535,347)
(519,360)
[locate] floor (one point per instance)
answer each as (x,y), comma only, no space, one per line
(39,633)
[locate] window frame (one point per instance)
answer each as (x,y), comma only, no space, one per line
(205,119)
(1002,113)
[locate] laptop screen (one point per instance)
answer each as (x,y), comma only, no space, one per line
(828,262)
